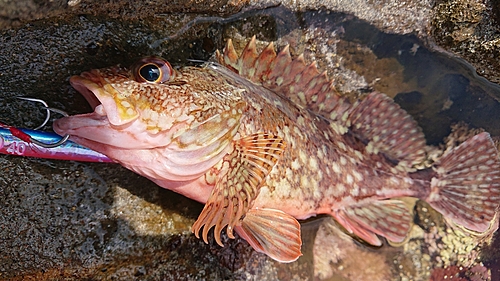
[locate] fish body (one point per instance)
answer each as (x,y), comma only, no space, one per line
(263,140)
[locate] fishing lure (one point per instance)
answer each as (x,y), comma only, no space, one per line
(40,144)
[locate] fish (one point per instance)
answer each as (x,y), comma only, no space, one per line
(264,140)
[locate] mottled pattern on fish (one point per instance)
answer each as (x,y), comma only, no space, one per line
(264,140)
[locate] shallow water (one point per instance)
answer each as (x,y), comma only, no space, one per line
(100,221)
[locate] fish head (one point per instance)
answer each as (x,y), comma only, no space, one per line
(153,110)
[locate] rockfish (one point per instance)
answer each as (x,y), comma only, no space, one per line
(264,140)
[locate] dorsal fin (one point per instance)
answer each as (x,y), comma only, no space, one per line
(377,120)
(302,83)
(386,127)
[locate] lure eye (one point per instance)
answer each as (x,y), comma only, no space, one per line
(152,70)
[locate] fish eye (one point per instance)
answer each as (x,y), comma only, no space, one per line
(152,70)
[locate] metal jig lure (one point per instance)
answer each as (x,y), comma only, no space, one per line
(40,144)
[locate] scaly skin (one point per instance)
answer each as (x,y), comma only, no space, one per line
(318,172)
(263,140)
(315,167)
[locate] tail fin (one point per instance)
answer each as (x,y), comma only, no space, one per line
(466,189)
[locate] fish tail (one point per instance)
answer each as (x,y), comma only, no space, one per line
(466,188)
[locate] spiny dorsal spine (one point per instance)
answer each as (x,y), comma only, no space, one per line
(302,83)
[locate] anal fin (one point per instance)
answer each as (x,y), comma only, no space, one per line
(388,218)
(272,232)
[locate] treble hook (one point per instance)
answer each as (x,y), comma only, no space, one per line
(47,118)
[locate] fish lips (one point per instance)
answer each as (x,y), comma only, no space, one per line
(105,126)
(98,125)
(101,97)
(87,84)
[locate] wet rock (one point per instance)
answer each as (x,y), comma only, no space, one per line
(471,30)
(338,256)
(15,13)
(391,16)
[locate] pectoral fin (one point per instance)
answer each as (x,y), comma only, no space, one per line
(243,172)
(272,232)
(388,218)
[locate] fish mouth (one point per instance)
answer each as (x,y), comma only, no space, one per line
(102,97)
(104,125)
(108,125)
(87,84)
